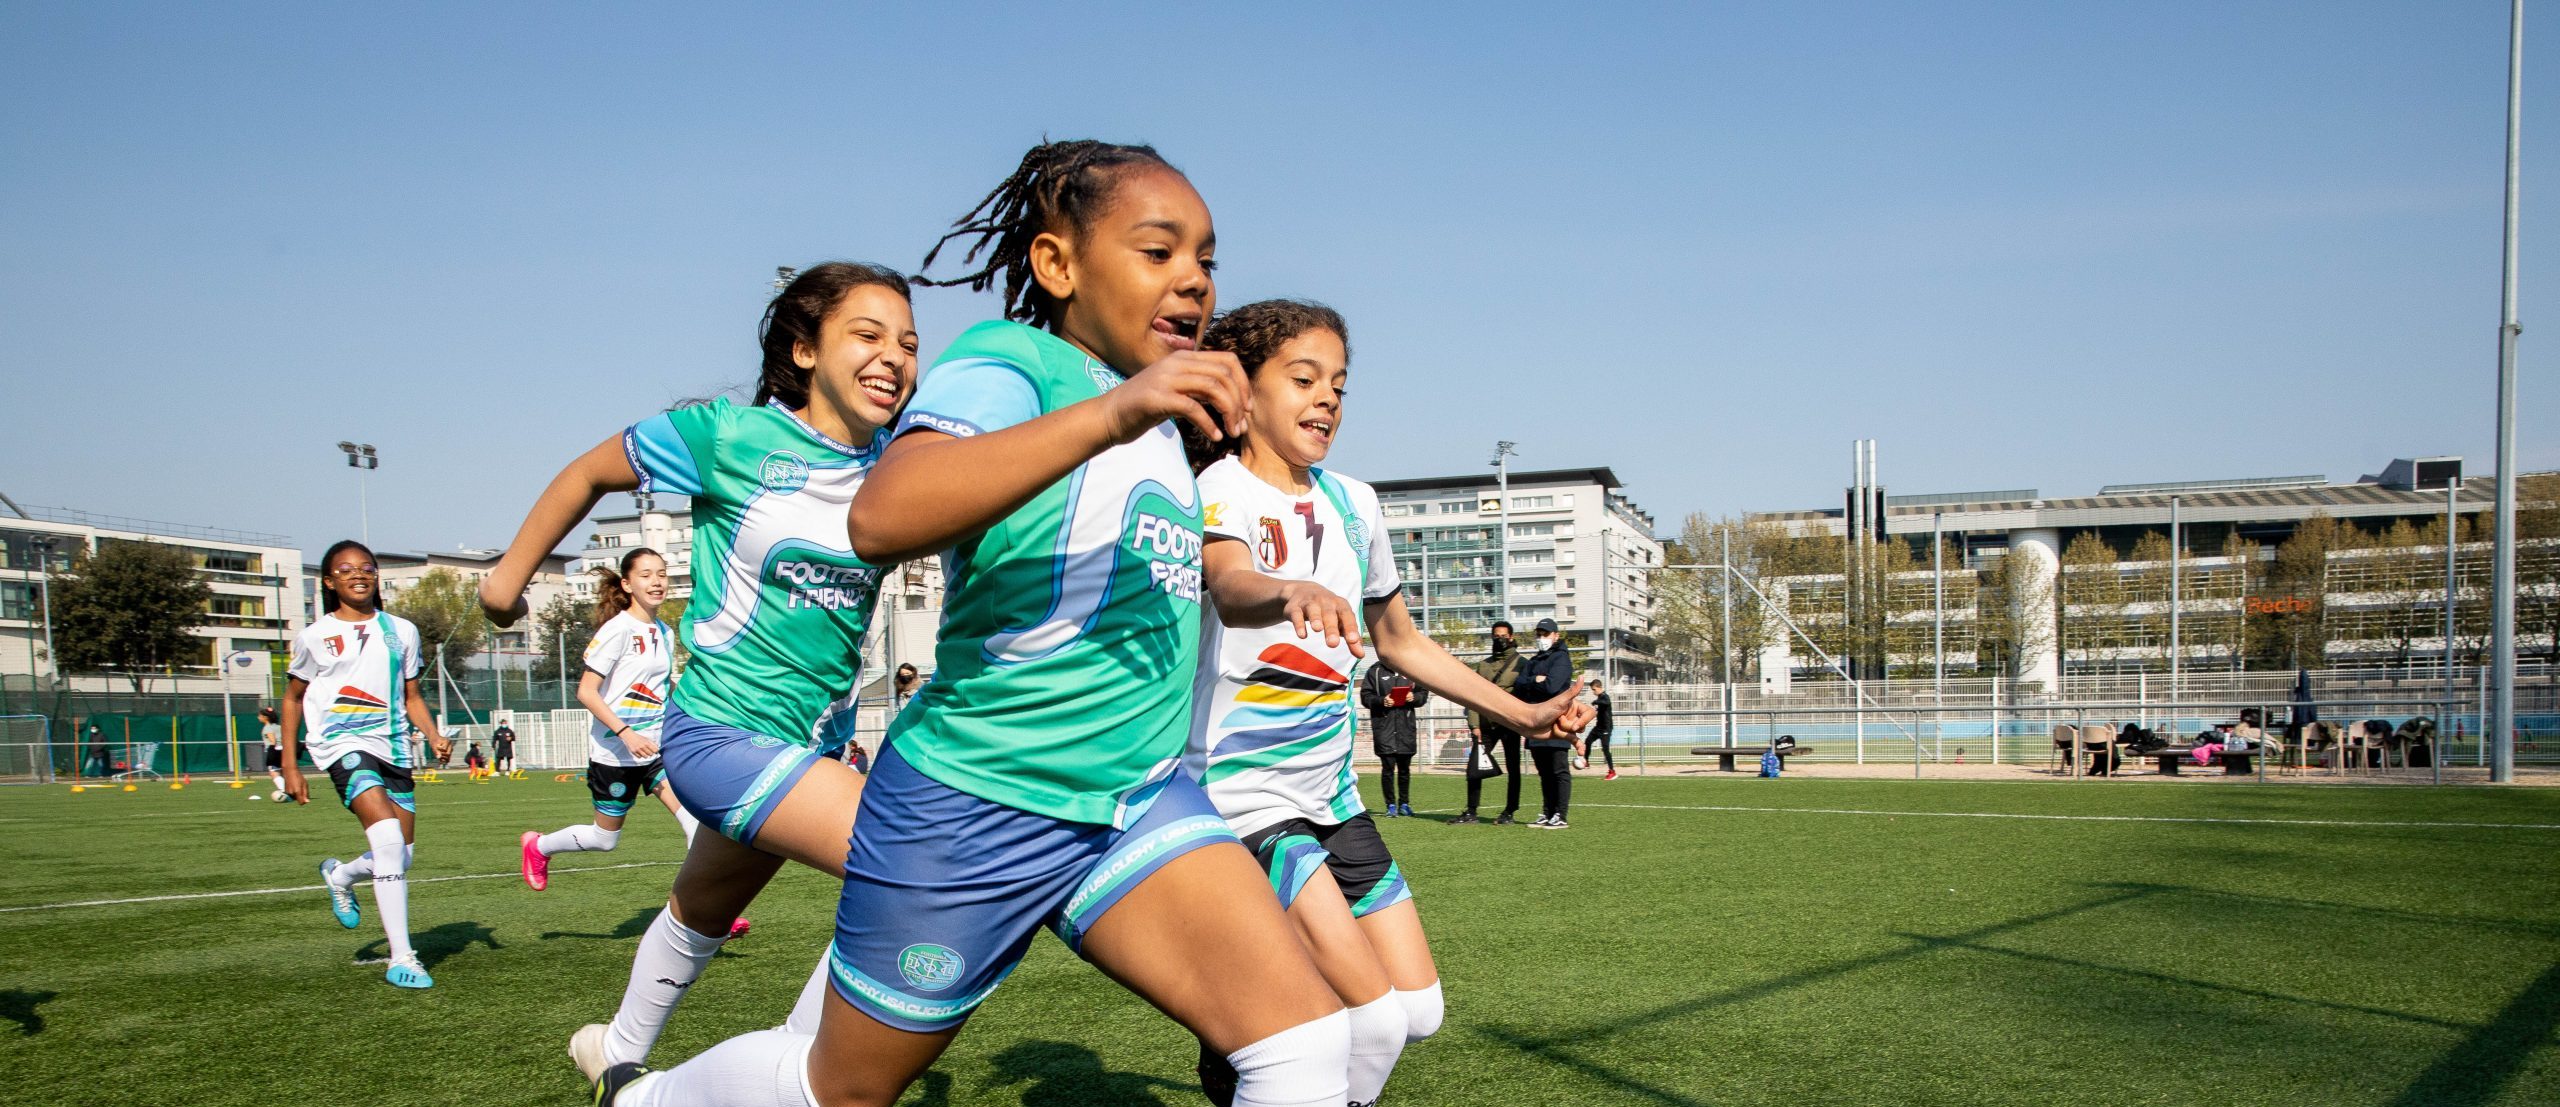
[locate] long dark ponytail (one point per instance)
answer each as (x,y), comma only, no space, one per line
(613,597)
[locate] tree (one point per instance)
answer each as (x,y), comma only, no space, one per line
(2005,629)
(2296,608)
(2095,603)
(446,609)
(129,607)
(566,624)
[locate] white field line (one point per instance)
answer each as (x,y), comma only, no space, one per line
(254,810)
(315,888)
(2071,818)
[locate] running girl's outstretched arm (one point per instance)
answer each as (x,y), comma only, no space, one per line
(1414,654)
(1247,597)
(572,494)
(591,697)
(289,727)
(425,720)
(932,490)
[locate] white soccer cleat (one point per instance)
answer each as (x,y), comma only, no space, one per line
(586,1049)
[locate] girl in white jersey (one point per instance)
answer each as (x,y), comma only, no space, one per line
(353,679)
(272,736)
(774,626)
(630,672)
(1272,727)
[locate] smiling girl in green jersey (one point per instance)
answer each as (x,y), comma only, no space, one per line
(780,603)
(1037,781)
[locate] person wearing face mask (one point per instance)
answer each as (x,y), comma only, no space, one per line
(1502,667)
(1542,674)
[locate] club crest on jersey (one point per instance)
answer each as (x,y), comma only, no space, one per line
(337,644)
(1103,377)
(639,643)
(783,473)
(1269,544)
(930,967)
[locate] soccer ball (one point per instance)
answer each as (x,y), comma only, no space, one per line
(1581,762)
(278,795)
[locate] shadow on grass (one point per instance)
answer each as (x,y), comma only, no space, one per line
(2476,1070)
(1558,1049)
(2392,914)
(1062,1074)
(19,1005)
(633,927)
(435,945)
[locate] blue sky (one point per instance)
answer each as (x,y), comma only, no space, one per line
(2049,245)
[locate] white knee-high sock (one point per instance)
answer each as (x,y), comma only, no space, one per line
(1377,1038)
(391,883)
(1307,1065)
(769,1068)
(670,959)
(347,873)
(813,999)
(686,820)
(1422,1011)
(586,837)
(278,779)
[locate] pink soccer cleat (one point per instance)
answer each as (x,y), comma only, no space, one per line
(537,868)
(739,929)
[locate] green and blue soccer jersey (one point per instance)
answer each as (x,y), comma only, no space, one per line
(1070,628)
(780,602)
(1272,730)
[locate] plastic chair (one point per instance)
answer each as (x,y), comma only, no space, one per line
(2101,742)
(2064,734)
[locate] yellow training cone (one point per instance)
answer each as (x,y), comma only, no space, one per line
(132,788)
(177,785)
(76,789)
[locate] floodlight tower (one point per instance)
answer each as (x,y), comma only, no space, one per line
(362,459)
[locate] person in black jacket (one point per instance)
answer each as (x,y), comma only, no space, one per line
(1502,667)
(1542,675)
(1603,721)
(1392,698)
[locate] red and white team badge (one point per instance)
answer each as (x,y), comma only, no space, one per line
(1271,546)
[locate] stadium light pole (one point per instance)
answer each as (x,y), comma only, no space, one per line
(43,545)
(2177,539)
(2452,527)
(362,459)
(2502,572)
(1938,597)
(1502,453)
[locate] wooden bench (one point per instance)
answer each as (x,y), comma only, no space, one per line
(2169,757)
(1724,755)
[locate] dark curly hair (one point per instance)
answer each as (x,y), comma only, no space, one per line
(1255,333)
(1059,185)
(799,311)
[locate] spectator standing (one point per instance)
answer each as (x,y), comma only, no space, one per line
(1542,675)
(502,749)
(1392,698)
(1502,667)
(1603,721)
(271,737)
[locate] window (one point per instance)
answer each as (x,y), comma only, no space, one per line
(237,605)
(1525,503)
(1452,507)
(1566,586)
(18,600)
(1532,530)
(18,550)
(1565,500)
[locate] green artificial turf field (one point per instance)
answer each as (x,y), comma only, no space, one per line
(2329,946)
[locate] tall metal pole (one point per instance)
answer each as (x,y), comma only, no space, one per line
(1938,588)
(1502,452)
(2502,588)
(1725,649)
(2176,541)
(2452,528)
(563,674)
(1608,616)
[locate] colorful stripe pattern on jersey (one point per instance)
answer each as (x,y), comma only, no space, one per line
(1070,627)
(634,659)
(780,602)
(1272,728)
(356,675)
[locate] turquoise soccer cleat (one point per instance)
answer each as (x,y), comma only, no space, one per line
(342,901)
(408,973)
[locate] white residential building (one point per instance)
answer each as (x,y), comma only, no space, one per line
(250,619)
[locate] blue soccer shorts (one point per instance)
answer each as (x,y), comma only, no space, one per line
(731,779)
(944,891)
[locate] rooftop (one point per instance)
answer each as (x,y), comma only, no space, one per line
(152,527)
(1601,476)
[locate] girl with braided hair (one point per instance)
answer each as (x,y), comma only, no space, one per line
(1037,781)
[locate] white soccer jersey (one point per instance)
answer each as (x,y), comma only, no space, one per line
(1271,726)
(358,684)
(637,662)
